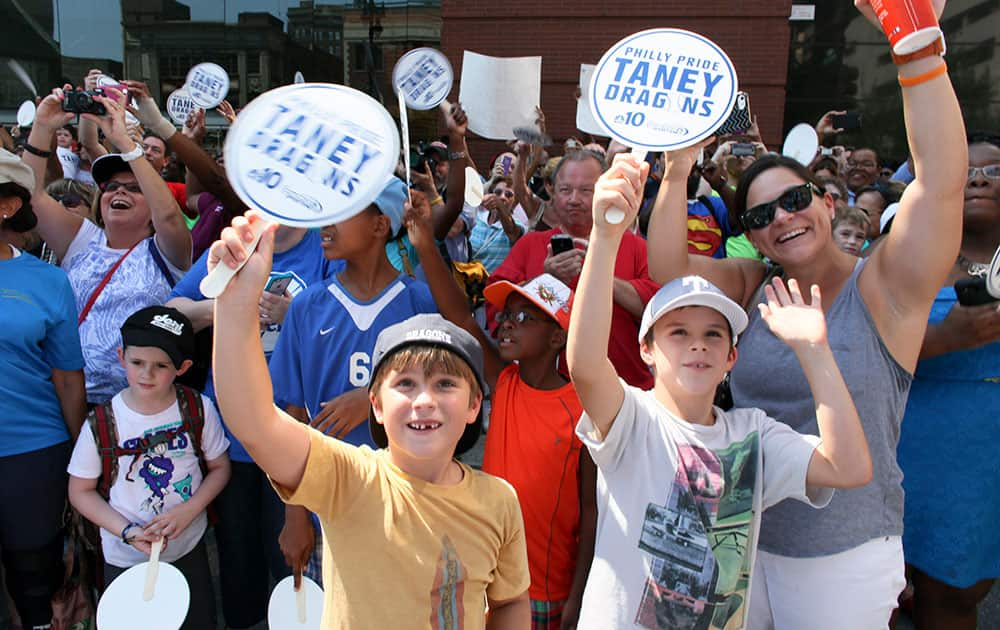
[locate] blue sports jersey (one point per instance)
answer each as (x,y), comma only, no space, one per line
(304,264)
(326,346)
(39,334)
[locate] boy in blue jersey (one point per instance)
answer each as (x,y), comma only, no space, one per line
(321,364)
(251,515)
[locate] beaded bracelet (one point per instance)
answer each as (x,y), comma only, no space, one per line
(125,531)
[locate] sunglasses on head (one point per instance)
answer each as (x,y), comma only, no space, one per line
(69,200)
(112,186)
(792,200)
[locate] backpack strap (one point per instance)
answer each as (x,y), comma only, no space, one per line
(192,421)
(102,425)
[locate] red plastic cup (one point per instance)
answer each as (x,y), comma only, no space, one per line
(909,24)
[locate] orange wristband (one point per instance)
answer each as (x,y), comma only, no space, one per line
(925,77)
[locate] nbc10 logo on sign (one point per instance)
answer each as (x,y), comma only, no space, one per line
(663,89)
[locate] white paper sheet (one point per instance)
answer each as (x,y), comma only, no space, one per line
(500,93)
(584,117)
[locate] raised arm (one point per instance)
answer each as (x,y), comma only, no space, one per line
(56,226)
(842,459)
(87,131)
(594,377)
(527,199)
(908,269)
(450,299)
(211,176)
(276,441)
(172,235)
(667,237)
(445,216)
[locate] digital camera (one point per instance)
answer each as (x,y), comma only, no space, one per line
(82,102)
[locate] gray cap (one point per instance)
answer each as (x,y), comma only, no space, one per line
(433,330)
(692,291)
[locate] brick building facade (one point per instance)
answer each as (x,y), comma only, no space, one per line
(566,33)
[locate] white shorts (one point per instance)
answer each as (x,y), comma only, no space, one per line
(855,589)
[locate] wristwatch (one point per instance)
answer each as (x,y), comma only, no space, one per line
(937,47)
(457,155)
(134,154)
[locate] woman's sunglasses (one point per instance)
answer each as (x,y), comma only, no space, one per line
(112,186)
(509,194)
(69,200)
(792,200)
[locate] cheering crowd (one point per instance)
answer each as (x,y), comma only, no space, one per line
(702,417)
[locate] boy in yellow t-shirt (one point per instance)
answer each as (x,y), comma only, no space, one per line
(421,540)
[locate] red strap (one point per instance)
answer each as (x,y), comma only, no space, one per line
(104,281)
(106,437)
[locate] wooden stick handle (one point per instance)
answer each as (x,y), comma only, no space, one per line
(152,570)
(300,603)
(614,216)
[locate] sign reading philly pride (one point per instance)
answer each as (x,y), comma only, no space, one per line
(424,76)
(311,154)
(663,89)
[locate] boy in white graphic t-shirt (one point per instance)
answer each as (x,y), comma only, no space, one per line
(169,460)
(681,482)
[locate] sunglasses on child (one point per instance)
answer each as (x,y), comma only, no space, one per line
(792,200)
(518,317)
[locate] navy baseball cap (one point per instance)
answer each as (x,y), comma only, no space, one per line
(430,329)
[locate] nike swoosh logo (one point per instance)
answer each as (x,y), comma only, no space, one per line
(326,330)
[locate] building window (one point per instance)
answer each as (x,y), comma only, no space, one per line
(359,57)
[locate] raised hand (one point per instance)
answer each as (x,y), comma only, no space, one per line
(678,164)
(824,126)
(454,118)
(194,126)
(112,123)
(49,113)
(226,110)
(417,219)
(231,250)
(786,313)
(620,188)
(423,181)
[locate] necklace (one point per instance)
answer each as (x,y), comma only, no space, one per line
(972,268)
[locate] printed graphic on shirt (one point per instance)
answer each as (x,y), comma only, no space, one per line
(704,234)
(698,571)
(153,466)
(447,610)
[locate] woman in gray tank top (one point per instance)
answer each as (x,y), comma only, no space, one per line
(840,567)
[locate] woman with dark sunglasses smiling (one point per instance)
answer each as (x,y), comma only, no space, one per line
(115,264)
(842,566)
